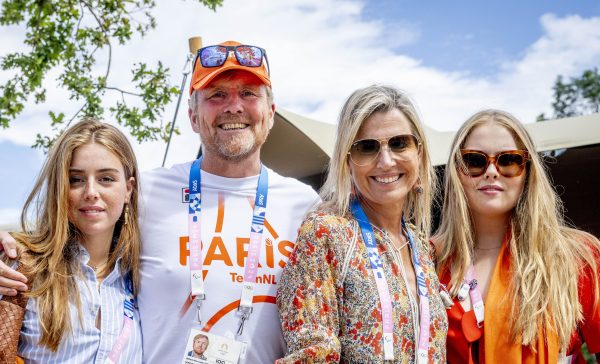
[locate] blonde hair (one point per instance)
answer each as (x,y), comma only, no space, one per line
(546,255)
(49,246)
(362,104)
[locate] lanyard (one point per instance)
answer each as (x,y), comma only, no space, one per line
(383,290)
(256,230)
(128,308)
(470,285)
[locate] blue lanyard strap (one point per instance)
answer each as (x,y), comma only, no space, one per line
(368,235)
(129,302)
(420,274)
(260,200)
(425,315)
(383,290)
(194,187)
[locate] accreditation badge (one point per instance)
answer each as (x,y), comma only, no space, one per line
(205,348)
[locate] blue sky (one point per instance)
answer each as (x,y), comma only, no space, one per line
(19,167)
(472,35)
(453,58)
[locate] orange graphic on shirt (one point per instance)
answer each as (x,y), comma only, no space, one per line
(233,306)
(217,251)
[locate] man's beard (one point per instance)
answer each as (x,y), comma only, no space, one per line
(236,148)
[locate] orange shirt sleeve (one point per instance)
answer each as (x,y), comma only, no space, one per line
(590,327)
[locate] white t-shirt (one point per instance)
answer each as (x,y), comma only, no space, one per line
(225,219)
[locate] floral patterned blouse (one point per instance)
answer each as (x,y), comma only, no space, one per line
(329,304)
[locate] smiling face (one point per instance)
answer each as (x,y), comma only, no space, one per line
(491,194)
(98,191)
(387,180)
(233,116)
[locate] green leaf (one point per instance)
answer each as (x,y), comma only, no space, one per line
(70,35)
(579,96)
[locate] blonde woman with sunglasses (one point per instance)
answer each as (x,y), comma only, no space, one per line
(360,286)
(524,285)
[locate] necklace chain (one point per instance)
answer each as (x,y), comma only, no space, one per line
(97,266)
(484,249)
(384,232)
(401,246)
(96,269)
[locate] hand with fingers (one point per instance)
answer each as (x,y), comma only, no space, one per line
(11,281)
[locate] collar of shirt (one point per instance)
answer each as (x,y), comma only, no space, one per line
(84,257)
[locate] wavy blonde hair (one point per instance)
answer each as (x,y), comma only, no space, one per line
(362,104)
(49,247)
(546,254)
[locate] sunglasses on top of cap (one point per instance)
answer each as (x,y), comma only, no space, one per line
(365,151)
(246,55)
(510,163)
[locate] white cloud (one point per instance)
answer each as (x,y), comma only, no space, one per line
(569,45)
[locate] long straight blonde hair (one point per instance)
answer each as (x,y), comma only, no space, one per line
(49,246)
(546,255)
(360,105)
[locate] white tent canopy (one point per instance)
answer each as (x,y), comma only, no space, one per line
(300,147)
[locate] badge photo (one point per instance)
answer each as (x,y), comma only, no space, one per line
(205,348)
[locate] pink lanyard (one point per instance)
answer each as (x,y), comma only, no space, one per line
(383,289)
(128,308)
(471,286)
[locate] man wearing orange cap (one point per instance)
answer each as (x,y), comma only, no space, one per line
(216,232)
(226,199)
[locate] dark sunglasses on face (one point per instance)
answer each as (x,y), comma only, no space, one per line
(246,55)
(365,151)
(510,163)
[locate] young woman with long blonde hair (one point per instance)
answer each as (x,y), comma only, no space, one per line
(524,284)
(81,254)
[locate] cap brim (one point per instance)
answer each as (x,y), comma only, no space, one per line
(200,84)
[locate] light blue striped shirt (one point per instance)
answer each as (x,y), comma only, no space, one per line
(86,344)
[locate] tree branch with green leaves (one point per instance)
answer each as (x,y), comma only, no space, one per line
(578,96)
(67,35)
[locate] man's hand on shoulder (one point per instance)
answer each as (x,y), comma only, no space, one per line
(11,281)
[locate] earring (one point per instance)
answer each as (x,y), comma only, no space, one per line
(126,215)
(419,186)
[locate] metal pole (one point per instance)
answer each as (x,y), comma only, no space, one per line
(186,72)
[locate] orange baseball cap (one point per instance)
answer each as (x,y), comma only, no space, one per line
(202,76)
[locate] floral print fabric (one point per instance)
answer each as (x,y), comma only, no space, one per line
(329,304)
